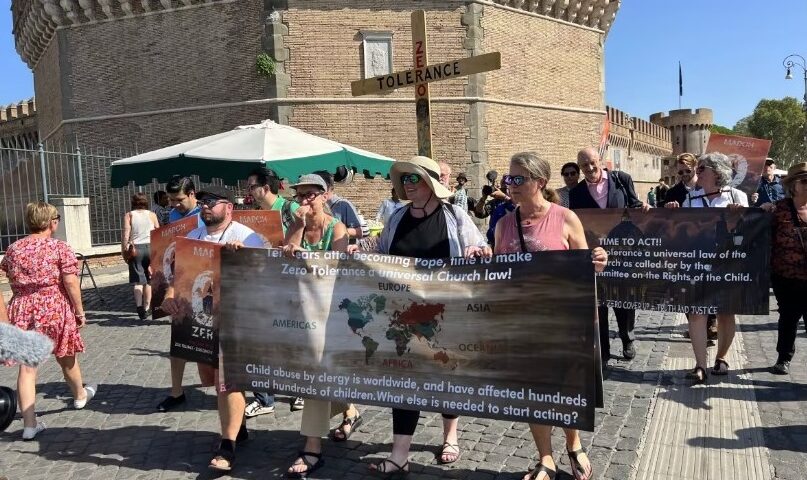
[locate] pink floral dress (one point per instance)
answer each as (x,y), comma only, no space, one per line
(35,266)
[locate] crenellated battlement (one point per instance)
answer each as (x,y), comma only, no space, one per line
(599,14)
(701,117)
(14,111)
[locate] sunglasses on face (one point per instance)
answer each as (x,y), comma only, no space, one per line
(412,178)
(310,196)
(517,180)
(210,202)
(570,174)
(684,172)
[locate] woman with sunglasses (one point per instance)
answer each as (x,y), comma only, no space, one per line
(316,230)
(789,262)
(428,227)
(47,298)
(714,178)
(539,225)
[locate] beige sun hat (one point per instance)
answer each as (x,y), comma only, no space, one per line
(423,166)
(797,170)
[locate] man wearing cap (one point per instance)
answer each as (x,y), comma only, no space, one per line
(770,186)
(342,208)
(216,205)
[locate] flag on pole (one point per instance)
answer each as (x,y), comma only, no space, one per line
(680,81)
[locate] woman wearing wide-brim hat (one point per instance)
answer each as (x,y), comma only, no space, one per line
(789,262)
(427,227)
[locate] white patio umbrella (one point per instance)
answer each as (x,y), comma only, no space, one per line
(232,155)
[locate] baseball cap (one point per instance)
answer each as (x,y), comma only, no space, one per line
(215,191)
(311,179)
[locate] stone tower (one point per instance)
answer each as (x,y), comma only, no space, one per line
(690,130)
(151,73)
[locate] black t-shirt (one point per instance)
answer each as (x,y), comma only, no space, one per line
(425,237)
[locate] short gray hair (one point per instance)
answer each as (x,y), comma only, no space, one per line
(721,165)
(531,162)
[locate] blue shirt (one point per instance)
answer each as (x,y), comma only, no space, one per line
(344,211)
(174,215)
(770,191)
(500,211)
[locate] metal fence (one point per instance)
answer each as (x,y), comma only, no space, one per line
(29,175)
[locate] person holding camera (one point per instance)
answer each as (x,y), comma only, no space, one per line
(494,203)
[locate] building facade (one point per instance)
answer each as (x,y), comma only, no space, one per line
(156,72)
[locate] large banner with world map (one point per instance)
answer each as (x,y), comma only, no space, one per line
(511,337)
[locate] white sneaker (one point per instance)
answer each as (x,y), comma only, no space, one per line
(90,389)
(297,404)
(255,408)
(28,433)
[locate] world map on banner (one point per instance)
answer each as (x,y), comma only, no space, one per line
(419,321)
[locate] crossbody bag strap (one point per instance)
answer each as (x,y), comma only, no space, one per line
(520,231)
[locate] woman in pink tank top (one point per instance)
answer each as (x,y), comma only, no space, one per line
(538,225)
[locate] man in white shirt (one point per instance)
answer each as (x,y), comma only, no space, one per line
(388,206)
(219,227)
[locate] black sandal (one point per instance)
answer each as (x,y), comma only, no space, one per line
(309,467)
(697,375)
(381,467)
(578,471)
(716,369)
(352,422)
(541,468)
(226,452)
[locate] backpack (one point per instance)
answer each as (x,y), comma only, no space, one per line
(286,215)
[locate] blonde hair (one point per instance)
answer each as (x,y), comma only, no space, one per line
(531,162)
(38,216)
(688,159)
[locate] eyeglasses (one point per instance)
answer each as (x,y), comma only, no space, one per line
(57,217)
(310,196)
(412,178)
(701,168)
(517,180)
(570,174)
(685,172)
(253,186)
(210,202)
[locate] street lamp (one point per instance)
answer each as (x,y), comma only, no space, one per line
(790,62)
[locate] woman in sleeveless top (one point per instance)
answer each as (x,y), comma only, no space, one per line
(539,225)
(137,226)
(316,230)
(714,176)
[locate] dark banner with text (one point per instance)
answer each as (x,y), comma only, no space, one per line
(511,337)
(686,260)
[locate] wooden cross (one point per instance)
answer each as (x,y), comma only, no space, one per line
(422,75)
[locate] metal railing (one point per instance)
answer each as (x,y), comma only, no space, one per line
(50,171)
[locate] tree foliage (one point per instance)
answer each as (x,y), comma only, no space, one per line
(741,127)
(782,122)
(721,129)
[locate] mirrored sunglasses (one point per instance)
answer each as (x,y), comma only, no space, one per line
(517,180)
(412,178)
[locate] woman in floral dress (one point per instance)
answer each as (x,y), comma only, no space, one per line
(47,298)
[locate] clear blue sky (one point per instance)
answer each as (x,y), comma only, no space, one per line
(731,52)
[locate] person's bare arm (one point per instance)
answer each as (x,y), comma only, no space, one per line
(340,239)
(71,285)
(576,237)
(126,231)
(3,311)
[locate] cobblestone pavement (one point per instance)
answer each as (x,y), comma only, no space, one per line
(120,435)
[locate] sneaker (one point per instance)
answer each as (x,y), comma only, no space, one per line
(90,391)
(255,408)
(141,312)
(297,404)
(170,403)
(28,433)
(781,368)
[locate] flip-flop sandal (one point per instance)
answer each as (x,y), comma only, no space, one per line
(309,467)
(352,422)
(447,450)
(578,471)
(541,468)
(381,468)
(717,370)
(226,452)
